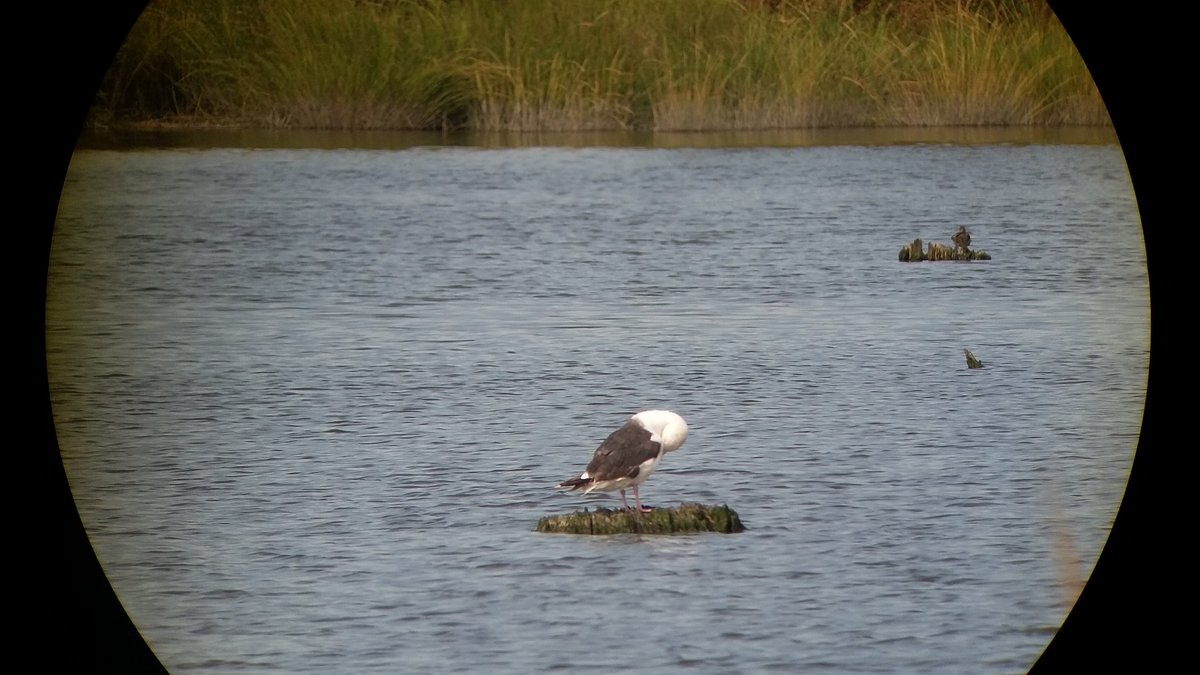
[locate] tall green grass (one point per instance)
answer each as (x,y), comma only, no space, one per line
(547,65)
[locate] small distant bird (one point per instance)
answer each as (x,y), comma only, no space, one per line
(630,454)
(972,362)
(962,238)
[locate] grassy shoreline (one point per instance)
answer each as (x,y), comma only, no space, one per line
(595,65)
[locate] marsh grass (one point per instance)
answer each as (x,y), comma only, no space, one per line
(546,65)
(967,69)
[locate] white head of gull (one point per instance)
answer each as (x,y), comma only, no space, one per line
(630,454)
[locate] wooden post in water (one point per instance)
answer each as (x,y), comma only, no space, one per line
(683,519)
(912,252)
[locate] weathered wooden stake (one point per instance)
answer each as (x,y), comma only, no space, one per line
(683,519)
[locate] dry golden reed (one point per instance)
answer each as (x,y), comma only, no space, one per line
(547,65)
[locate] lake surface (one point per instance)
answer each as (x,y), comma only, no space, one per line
(312,401)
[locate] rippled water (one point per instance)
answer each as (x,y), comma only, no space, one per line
(312,402)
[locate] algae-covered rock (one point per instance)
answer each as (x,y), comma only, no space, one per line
(913,252)
(683,519)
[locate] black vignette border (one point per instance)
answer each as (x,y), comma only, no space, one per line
(1126,615)
(68,615)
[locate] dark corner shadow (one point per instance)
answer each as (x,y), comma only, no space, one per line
(1128,613)
(74,620)
(68,618)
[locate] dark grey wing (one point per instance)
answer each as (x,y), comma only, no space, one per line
(622,452)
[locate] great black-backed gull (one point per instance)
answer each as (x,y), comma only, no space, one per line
(630,454)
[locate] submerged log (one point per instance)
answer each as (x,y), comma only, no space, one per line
(972,361)
(683,519)
(935,252)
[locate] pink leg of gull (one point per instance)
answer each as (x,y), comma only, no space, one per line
(638,500)
(623,502)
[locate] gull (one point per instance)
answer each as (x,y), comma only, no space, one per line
(630,454)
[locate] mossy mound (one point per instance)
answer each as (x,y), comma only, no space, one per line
(915,253)
(684,519)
